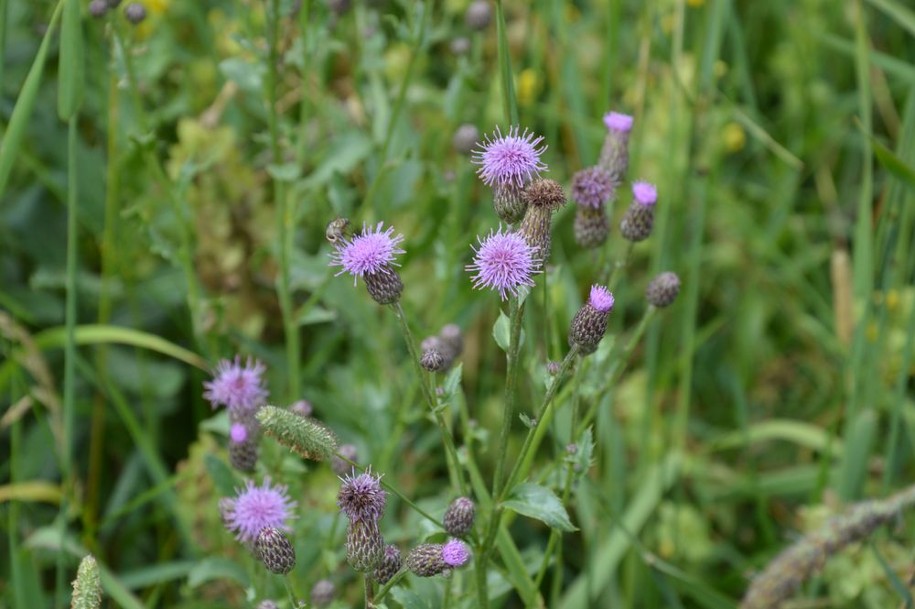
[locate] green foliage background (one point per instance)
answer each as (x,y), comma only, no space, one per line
(781,136)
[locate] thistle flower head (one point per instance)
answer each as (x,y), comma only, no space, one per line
(663,290)
(618,122)
(455,553)
(645,193)
(238,433)
(513,158)
(257,507)
(238,387)
(503,262)
(592,187)
(370,252)
(362,498)
(303,408)
(390,565)
(600,298)
(458,519)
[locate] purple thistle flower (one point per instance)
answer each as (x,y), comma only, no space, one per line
(238,433)
(455,553)
(510,159)
(369,253)
(601,298)
(503,262)
(302,408)
(238,387)
(645,193)
(592,187)
(256,507)
(362,498)
(619,122)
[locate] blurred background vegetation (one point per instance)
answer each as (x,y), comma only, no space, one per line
(781,135)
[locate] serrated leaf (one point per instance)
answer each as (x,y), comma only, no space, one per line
(501,331)
(217,568)
(540,503)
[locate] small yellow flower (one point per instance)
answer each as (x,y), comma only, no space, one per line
(734,137)
(528,84)
(892,300)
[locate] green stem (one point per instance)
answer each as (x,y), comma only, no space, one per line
(495,520)
(70,347)
(390,584)
(369,593)
(451,456)
(618,365)
(535,434)
(614,275)
(285,213)
(516,313)
(291,591)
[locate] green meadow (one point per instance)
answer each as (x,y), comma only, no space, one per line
(168,171)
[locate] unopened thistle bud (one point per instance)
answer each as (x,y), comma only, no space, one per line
(465,138)
(591,227)
(362,497)
(590,323)
(303,408)
(364,545)
(390,565)
(273,549)
(455,553)
(452,340)
(663,290)
(425,560)
(432,360)
(87,587)
(614,155)
(458,520)
(639,218)
(98,8)
(478,15)
(243,455)
(322,593)
(542,197)
(302,435)
(135,12)
(340,462)
(384,287)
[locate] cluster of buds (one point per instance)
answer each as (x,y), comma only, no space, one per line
(134,12)
(441,351)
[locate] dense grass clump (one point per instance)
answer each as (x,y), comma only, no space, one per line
(395,303)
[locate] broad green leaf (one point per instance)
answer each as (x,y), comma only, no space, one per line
(501,331)
(540,503)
